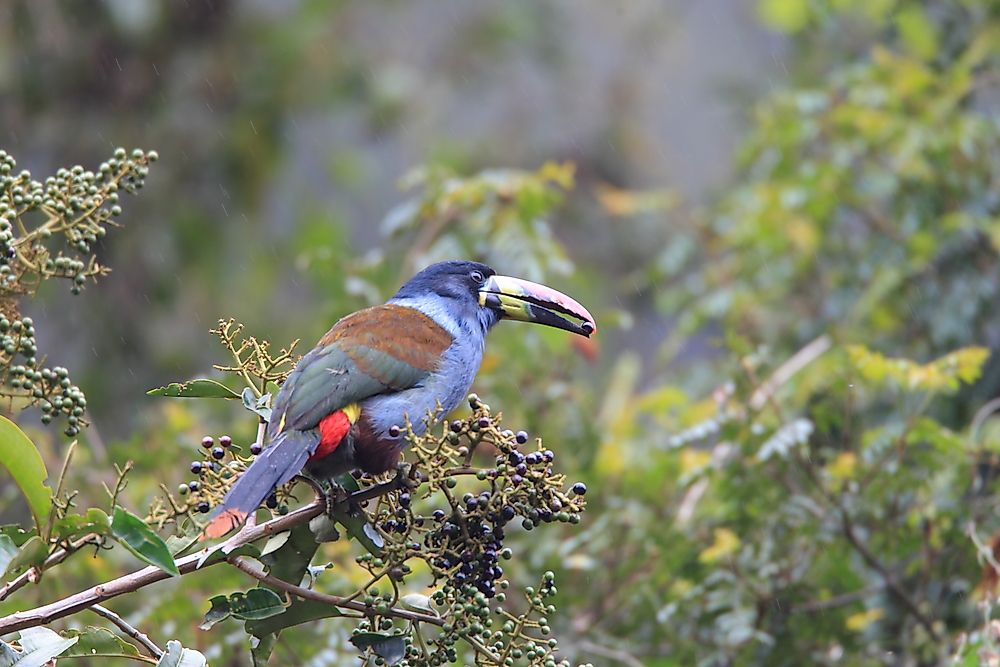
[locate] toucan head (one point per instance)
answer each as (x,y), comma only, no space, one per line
(470,290)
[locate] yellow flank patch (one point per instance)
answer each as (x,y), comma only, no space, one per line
(353,412)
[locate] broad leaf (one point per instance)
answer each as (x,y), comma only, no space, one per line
(201,388)
(33,552)
(8,550)
(77,525)
(178,656)
(219,611)
(39,646)
(300,611)
(137,537)
(94,640)
(259,406)
(23,462)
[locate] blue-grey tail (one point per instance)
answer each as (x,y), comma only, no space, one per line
(276,465)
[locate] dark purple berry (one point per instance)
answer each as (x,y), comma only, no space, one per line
(404,500)
(255,448)
(579,488)
(516,480)
(203,507)
(193,485)
(271,502)
(196,467)
(218,452)
(438,515)
(521,437)
(549,456)
(507,513)
(471,504)
(456,426)
(521,469)
(484,422)
(207,442)
(225,441)
(532,459)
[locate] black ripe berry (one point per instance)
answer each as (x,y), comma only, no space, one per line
(196,467)
(272,501)
(456,426)
(207,442)
(218,452)
(255,448)
(521,437)
(203,507)
(225,441)
(484,422)
(404,500)
(193,485)
(579,488)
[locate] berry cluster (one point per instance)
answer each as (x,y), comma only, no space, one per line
(463,542)
(215,472)
(49,388)
(47,230)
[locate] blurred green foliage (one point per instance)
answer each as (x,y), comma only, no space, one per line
(793,465)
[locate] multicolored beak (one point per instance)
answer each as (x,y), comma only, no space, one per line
(526,301)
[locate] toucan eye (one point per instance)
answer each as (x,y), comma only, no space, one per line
(477,277)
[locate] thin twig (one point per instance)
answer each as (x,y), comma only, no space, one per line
(129,630)
(255,570)
(888,577)
(808,354)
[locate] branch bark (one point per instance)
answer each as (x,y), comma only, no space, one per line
(148,575)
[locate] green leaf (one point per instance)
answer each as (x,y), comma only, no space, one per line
(23,462)
(300,611)
(356,522)
(261,647)
(289,562)
(201,388)
(137,537)
(259,406)
(17,533)
(178,656)
(219,611)
(76,525)
(418,602)
(98,640)
(33,552)
(255,604)
(8,551)
(391,648)
(39,646)
(275,542)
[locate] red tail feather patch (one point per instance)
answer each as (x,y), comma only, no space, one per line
(332,430)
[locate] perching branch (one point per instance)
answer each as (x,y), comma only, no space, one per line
(149,575)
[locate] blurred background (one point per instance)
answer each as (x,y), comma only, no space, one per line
(783,213)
